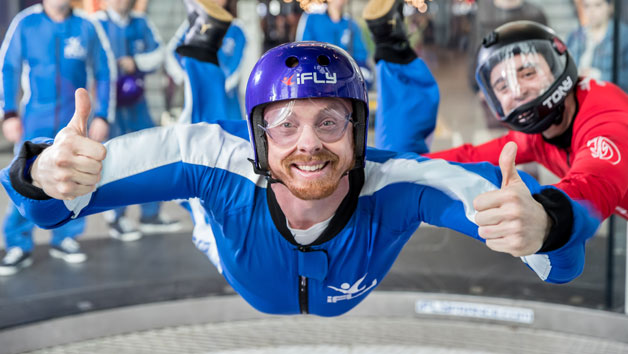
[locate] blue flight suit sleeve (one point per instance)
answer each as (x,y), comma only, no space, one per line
(360,53)
(230,55)
(183,167)
(11,62)
(556,266)
(104,68)
(305,29)
(407,106)
(152,57)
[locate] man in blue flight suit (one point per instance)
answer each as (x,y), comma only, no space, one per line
(55,47)
(318,220)
(137,48)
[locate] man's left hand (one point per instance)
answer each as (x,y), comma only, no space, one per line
(509,219)
(99,129)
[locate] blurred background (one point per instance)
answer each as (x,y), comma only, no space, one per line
(445,34)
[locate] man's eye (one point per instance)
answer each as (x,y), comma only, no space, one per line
(287,125)
(528,72)
(501,87)
(328,123)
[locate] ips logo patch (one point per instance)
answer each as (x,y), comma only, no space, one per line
(604,149)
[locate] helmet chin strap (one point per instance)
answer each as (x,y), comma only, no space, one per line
(559,114)
(265,173)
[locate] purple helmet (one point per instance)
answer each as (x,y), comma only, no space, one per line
(305,70)
(130,89)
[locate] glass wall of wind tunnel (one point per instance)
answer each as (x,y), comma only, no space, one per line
(447,37)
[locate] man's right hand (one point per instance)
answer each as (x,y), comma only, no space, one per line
(71,166)
(12,129)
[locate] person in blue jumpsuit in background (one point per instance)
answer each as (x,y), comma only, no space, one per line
(137,47)
(336,27)
(230,58)
(55,46)
(306,218)
(398,66)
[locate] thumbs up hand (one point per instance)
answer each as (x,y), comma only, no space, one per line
(509,219)
(71,166)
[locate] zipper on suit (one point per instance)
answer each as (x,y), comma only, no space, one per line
(303,298)
(303,295)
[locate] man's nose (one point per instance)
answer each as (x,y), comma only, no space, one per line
(309,141)
(522,92)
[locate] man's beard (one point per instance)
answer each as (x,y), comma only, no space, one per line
(315,189)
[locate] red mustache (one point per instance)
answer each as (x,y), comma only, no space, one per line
(321,156)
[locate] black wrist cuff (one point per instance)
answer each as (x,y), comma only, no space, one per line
(558,207)
(198,53)
(399,53)
(9,114)
(20,176)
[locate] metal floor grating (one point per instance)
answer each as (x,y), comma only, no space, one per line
(304,334)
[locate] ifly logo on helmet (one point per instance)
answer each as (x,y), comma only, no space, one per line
(317,78)
(559,93)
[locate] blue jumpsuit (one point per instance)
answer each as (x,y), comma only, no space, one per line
(230,60)
(407,106)
(386,203)
(391,132)
(135,37)
(55,57)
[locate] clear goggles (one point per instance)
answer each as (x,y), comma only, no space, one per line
(327,117)
(518,74)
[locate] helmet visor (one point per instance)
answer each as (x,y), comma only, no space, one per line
(519,74)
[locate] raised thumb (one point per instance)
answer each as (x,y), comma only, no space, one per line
(81,112)
(507,164)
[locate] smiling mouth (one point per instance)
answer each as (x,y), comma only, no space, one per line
(311,168)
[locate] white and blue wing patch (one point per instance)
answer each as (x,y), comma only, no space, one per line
(455,181)
(199,144)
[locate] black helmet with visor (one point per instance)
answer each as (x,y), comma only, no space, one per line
(525,72)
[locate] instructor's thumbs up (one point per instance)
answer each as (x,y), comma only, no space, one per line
(509,219)
(71,166)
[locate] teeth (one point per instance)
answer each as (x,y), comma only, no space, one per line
(310,168)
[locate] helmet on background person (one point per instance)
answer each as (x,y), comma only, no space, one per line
(302,70)
(129,89)
(525,73)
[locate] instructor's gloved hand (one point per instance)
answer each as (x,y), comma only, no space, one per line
(71,166)
(509,219)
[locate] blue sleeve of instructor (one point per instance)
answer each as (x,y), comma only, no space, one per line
(407,105)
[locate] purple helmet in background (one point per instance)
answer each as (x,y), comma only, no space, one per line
(304,70)
(130,89)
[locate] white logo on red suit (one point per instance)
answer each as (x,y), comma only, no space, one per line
(604,149)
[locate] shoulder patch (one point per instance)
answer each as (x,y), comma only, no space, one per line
(604,148)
